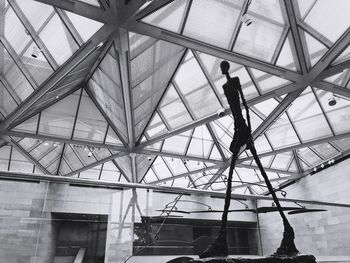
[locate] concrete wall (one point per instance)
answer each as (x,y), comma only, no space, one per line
(321,234)
(28,232)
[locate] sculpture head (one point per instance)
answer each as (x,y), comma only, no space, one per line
(225,66)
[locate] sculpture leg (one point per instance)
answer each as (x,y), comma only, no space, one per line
(287,247)
(219,246)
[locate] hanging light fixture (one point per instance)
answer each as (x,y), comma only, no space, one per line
(332,100)
(246,20)
(36,52)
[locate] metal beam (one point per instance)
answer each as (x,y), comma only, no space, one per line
(299,146)
(323,85)
(83,9)
(175,190)
(333,70)
(296,36)
(89,47)
(152,31)
(64,140)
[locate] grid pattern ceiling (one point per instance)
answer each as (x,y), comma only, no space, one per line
(129,92)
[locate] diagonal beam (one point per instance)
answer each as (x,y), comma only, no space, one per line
(82,9)
(153,6)
(323,85)
(272,170)
(88,48)
(333,70)
(289,4)
(152,31)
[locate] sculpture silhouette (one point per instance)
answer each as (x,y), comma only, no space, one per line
(242,136)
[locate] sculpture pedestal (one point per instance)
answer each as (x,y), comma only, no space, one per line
(270,259)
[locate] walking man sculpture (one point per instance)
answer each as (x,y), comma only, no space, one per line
(242,136)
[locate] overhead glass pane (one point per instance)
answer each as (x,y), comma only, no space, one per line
(343,144)
(15,33)
(282,161)
(286,57)
(213,21)
(177,143)
(268,82)
(156,127)
(201,143)
(338,115)
(90,124)
(325,150)
(112,137)
(262,37)
(37,13)
(92,174)
(161,169)
(110,172)
(330,22)
(150,177)
(7,103)
(60,44)
(86,27)
(72,159)
(124,165)
(261,144)
(265,108)
(195,88)
(305,6)
(29,125)
(17,82)
(309,156)
(168,17)
(308,118)
(59,118)
(19,163)
(137,43)
(173,109)
(176,165)
(281,133)
(315,48)
(38,67)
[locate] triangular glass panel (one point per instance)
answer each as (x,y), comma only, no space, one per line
(315,48)
(138,43)
(7,103)
(105,85)
(85,27)
(201,143)
(91,174)
(262,144)
(5,152)
(331,23)
(143,163)
(112,137)
(268,82)
(304,6)
(343,144)
(212,67)
(59,118)
(168,17)
(173,109)
(156,127)
(293,166)
(124,165)
(307,117)
(160,169)
(15,81)
(177,144)
(110,173)
(29,125)
(148,93)
(282,161)
(286,56)
(281,133)
(338,114)
(19,163)
(310,157)
(213,22)
(215,154)
(261,39)
(195,88)
(90,124)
